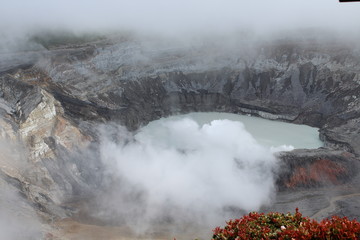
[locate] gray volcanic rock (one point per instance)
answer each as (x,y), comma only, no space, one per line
(310,79)
(53,100)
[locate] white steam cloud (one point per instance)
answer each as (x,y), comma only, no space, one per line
(182,172)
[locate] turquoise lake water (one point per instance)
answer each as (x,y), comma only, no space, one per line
(266,132)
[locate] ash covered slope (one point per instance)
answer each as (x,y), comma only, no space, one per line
(51,101)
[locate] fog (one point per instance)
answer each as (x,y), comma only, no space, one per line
(180,18)
(185,173)
(18,219)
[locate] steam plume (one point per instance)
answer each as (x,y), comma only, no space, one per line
(183,173)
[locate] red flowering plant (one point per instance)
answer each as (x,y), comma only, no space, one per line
(287,227)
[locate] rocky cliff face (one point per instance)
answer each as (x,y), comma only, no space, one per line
(52,100)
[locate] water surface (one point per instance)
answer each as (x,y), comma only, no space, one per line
(268,133)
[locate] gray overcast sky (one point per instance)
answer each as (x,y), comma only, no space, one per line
(169,16)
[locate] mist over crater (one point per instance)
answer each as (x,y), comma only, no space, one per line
(79,106)
(179,161)
(188,169)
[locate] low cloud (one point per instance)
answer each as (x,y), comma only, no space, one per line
(182,19)
(168,16)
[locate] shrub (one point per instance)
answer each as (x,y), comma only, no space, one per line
(287,227)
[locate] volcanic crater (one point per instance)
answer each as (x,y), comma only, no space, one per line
(54,100)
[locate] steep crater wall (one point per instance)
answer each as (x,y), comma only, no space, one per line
(295,82)
(128,83)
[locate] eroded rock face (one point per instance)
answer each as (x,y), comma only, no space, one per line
(51,102)
(34,128)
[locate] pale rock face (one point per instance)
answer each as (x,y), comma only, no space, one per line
(68,135)
(46,121)
(6,130)
(26,146)
(39,125)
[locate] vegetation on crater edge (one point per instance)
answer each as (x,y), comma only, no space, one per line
(287,227)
